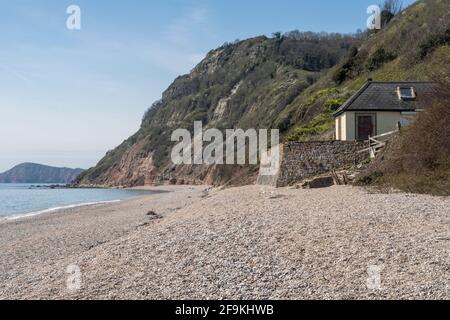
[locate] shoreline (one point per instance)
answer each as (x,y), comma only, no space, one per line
(155,190)
(63,211)
(55,210)
(251,242)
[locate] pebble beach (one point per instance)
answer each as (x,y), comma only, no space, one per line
(251,242)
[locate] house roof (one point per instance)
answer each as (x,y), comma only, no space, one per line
(383,96)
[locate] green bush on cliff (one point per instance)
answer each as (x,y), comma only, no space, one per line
(317,126)
(434,41)
(378,58)
(328,101)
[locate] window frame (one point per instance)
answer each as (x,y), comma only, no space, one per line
(402,97)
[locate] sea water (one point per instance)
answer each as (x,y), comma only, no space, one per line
(18,200)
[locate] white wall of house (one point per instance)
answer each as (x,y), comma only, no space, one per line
(341,127)
(345,127)
(338,126)
(350,126)
(386,121)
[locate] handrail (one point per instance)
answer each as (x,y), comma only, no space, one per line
(375,143)
(383,135)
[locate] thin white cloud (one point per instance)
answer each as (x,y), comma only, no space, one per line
(199,15)
(183,31)
(16,74)
(179,51)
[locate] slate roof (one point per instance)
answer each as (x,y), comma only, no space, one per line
(383,96)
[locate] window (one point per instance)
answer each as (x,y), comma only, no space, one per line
(406,93)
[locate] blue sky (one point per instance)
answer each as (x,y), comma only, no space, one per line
(67,97)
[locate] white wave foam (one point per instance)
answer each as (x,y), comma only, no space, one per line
(32,214)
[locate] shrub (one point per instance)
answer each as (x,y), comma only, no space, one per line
(343,72)
(390,9)
(434,41)
(322,104)
(333,104)
(378,58)
(319,125)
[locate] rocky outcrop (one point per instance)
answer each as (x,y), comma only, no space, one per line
(318,183)
(135,168)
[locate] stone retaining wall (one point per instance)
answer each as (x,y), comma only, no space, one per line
(302,160)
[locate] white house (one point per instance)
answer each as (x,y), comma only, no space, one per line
(381,107)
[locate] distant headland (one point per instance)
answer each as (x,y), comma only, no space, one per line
(38,173)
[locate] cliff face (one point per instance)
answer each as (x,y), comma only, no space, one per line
(242,85)
(292,82)
(36,173)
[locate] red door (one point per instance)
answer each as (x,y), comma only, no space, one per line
(365,126)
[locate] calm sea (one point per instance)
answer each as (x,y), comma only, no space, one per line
(17,200)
